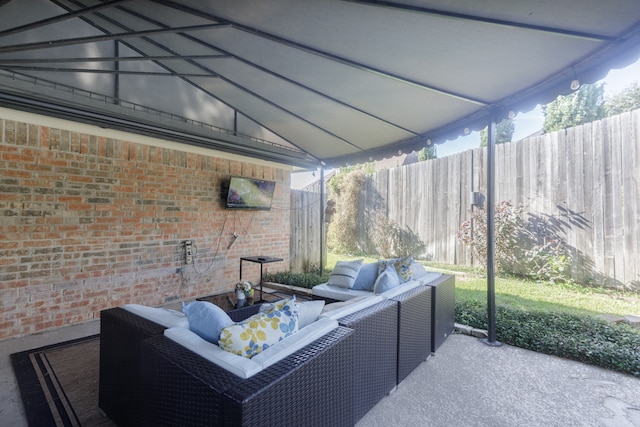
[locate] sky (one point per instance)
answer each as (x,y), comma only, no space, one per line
(532,121)
(525,123)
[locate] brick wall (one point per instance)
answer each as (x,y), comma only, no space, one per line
(88,223)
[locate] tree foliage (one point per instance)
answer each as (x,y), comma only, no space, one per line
(504,133)
(583,106)
(427,153)
(345,188)
(626,100)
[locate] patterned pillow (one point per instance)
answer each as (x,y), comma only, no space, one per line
(268,307)
(402,266)
(344,273)
(260,331)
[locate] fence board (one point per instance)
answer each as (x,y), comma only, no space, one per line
(629,144)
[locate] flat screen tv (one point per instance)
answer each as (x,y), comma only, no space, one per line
(249,193)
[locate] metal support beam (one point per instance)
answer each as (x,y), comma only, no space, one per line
(322,225)
(491,243)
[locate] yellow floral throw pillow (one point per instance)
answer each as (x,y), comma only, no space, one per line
(402,266)
(260,331)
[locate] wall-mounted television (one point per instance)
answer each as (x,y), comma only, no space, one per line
(249,193)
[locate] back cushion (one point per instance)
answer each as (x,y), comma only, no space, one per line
(206,319)
(344,273)
(308,312)
(387,280)
(366,277)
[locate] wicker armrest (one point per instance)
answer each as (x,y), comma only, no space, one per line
(443,309)
(121,333)
(376,341)
(414,329)
(310,387)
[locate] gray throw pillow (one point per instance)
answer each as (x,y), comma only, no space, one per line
(344,273)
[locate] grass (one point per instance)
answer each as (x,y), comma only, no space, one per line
(528,294)
(552,318)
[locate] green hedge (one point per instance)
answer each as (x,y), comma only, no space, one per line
(582,338)
(302,280)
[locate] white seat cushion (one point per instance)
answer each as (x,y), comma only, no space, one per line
(429,277)
(237,365)
(244,367)
(326,290)
(411,284)
(346,308)
(295,342)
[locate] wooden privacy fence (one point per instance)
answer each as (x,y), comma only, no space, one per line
(580,185)
(305,230)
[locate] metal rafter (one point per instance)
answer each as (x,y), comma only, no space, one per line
(107,37)
(18,61)
(104,71)
(196,64)
(60,18)
(279,76)
(317,52)
(485,20)
(237,85)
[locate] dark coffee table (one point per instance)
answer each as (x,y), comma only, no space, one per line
(227,300)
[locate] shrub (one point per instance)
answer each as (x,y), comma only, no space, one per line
(530,249)
(581,338)
(391,240)
(508,226)
(342,235)
(302,280)
(549,261)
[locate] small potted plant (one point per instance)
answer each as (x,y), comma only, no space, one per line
(244,292)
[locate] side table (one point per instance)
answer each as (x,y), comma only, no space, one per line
(260,260)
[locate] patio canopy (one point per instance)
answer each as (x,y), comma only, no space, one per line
(305,82)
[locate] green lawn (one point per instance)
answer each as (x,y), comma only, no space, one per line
(529,294)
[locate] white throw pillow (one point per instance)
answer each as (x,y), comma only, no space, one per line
(344,273)
(417,270)
(308,312)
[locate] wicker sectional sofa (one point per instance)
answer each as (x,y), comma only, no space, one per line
(311,387)
(147,378)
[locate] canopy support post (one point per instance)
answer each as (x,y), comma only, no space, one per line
(322,224)
(491,243)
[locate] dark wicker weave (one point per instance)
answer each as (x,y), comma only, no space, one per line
(414,329)
(312,387)
(376,354)
(239,314)
(121,333)
(443,309)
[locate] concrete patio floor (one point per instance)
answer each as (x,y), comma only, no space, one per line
(466,383)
